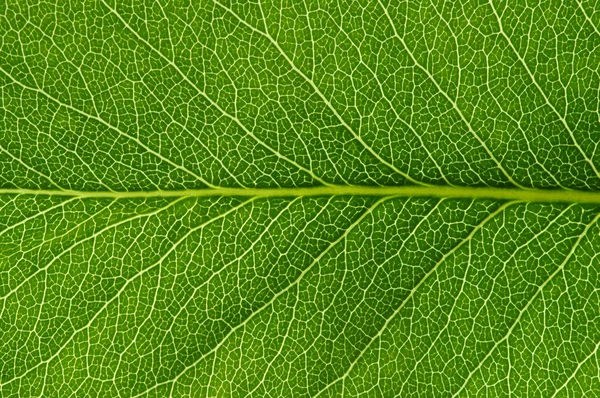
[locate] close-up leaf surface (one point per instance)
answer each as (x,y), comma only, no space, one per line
(301,198)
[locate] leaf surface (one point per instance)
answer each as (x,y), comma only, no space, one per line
(301,198)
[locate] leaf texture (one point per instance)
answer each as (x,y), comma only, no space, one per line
(299,198)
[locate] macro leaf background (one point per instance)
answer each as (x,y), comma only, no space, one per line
(136,260)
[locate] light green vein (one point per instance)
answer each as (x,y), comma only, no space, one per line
(525,195)
(540,288)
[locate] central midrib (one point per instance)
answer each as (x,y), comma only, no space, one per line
(527,195)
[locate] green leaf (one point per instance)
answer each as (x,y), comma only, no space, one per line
(300,198)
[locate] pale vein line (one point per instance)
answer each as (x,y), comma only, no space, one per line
(594,351)
(391,105)
(320,94)
(58,236)
(181,19)
(126,284)
(36,215)
(450,100)
(134,240)
(28,167)
(180,124)
(310,160)
(523,134)
(61,145)
(587,17)
(238,259)
(293,315)
(46,241)
(390,258)
(400,249)
(80,73)
(292,245)
(79,242)
(142,272)
(525,195)
(265,230)
(531,300)
(535,83)
(210,100)
(413,291)
(272,300)
(513,254)
(279,352)
(110,126)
